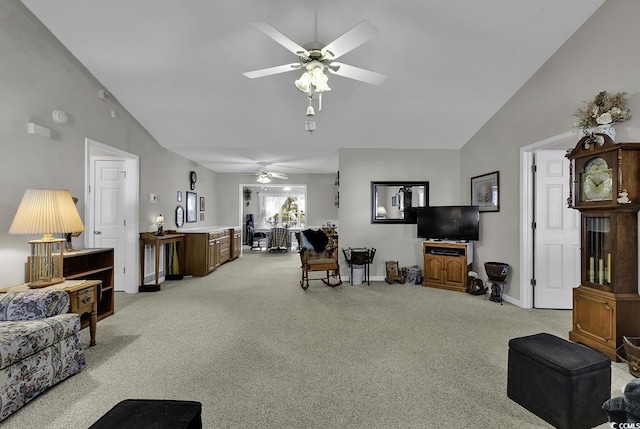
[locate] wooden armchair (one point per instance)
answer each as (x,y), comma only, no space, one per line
(312,260)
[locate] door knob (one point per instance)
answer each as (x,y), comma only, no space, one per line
(97,232)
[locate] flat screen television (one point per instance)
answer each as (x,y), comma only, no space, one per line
(455,223)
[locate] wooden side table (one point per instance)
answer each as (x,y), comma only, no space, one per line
(157,241)
(84,300)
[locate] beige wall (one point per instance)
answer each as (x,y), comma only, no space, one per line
(37,76)
(602,55)
(393,242)
(320,196)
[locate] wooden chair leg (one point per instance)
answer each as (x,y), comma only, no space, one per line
(304,282)
(327,281)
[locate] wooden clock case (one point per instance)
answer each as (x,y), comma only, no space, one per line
(606,304)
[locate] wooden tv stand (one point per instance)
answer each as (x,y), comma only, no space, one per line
(446,264)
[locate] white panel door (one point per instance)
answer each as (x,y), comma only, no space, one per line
(109,212)
(557,233)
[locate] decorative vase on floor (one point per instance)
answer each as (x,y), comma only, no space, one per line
(608,130)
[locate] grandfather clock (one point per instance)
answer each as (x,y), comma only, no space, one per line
(605,188)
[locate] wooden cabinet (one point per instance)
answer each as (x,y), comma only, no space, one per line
(213,258)
(206,250)
(446,265)
(236,242)
(225,247)
(601,318)
(606,304)
(93,264)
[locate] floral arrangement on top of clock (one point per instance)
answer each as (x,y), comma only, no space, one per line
(604,109)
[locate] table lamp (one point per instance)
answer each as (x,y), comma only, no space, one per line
(46,212)
(160,222)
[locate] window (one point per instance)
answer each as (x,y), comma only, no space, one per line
(281,209)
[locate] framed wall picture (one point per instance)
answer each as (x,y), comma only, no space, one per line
(191,207)
(201,216)
(485,192)
(179,196)
(201,204)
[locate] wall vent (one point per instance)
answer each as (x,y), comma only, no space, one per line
(38,130)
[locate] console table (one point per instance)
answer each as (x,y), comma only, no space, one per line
(157,241)
(83,296)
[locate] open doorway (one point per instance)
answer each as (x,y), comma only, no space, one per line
(533,212)
(273,205)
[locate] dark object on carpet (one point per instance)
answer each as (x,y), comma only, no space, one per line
(559,381)
(152,414)
(630,353)
(625,409)
(475,286)
(318,239)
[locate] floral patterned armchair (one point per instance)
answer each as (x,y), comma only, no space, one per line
(39,345)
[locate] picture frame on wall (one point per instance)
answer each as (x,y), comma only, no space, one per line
(179,196)
(191,207)
(485,192)
(201,204)
(201,216)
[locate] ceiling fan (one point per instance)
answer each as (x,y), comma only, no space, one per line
(265,176)
(316,58)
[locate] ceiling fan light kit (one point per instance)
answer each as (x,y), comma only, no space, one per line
(315,57)
(263,178)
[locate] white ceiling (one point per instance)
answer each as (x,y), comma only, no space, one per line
(177,66)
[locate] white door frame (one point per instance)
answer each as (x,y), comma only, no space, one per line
(526,212)
(132,210)
(241,201)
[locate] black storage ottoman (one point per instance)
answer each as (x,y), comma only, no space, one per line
(152,414)
(559,381)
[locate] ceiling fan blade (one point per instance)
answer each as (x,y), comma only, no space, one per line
(361,33)
(356,73)
(289,44)
(272,70)
(278,175)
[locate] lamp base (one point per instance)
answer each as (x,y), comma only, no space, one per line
(44,283)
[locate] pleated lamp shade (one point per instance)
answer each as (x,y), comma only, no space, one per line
(47,212)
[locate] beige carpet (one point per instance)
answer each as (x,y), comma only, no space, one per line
(259,352)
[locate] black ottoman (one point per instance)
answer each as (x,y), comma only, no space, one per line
(559,381)
(152,414)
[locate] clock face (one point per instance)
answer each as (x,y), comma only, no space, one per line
(597,181)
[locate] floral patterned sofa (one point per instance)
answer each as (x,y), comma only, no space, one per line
(39,345)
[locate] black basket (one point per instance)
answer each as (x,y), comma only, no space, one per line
(497,271)
(629,352)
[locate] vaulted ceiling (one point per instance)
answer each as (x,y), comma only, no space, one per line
(177,67)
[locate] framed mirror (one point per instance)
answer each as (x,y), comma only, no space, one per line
(179,216)
(396,202)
